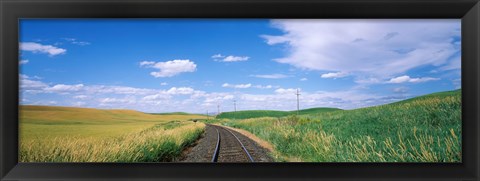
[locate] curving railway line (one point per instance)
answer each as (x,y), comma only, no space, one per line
(229,148)
(222,144)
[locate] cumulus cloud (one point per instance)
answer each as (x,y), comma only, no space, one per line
(146,63)
(286,91)
(170,68)
(238,86)
(32,84)
(101,89)
(230,58)
(39,48)
(303,79)
(264,86)
(365,48)
(64,88)
(249,85)
(334,75)
(191,100)
(23,62)
(163,83)
(270,76)
(158,96)
(180,90)
(406,78)
(76,42)
(115,100)
(28,83)
(235,58)
(81,43)
(216,56)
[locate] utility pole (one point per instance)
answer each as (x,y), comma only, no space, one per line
(208,117)
(235,109)
(218,109)
(298,102)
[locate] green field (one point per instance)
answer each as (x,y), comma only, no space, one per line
(271,113)
(63,134)
(421,129)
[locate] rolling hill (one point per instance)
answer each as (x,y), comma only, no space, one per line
(426,128)
(70,134)
(73,115)
(271,113)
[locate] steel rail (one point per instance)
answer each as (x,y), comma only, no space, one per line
(243,147)
(217,148)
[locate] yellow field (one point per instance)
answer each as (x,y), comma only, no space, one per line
(63,134)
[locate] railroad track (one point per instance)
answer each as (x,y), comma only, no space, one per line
(229,148)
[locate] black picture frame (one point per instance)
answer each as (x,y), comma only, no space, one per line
(12,10)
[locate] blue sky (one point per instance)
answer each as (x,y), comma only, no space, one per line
(193,65)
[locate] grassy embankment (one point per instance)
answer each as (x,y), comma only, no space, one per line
(271,113)
(421,129)
(61,134)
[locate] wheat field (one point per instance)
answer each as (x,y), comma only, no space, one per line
(62,134)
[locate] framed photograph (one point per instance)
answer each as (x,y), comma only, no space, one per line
(239,90)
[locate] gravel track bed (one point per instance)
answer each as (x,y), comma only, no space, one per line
(230,149)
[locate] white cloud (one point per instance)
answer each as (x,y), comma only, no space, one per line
(239,86)
(170,68)
(180,90)
(158,96)
(51,103)
(270,76)
(163,83)
(406,78)
(263,87)
(69,39)
(249,85)
(76,42)
(64,88)
(190,100)
(368,80)
(32,84)
(303,79)
(334,75)
(146,63)
(387,47)
(23,62)
(286,91)
(81,97)
(400,89)
(39,48)
(216,56)
(81,43)
(100,89)
(230,58)
(454,64)
(115,100)
(26,83)
(23,76)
